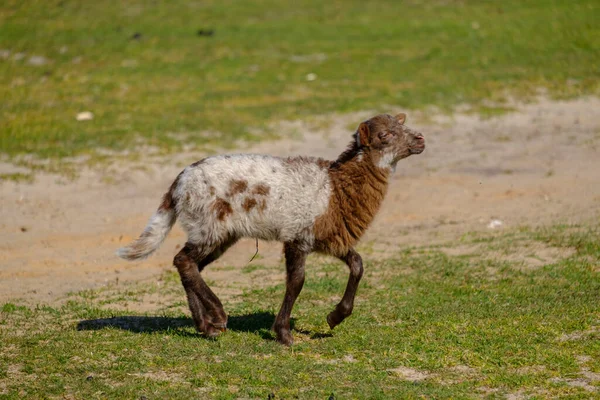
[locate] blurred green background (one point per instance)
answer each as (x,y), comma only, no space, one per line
(197,73)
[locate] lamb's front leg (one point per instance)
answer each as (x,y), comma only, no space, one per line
(345,306)
(295,258)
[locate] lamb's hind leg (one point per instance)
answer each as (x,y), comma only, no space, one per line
(206,308)
(212,304)
(345,306)
(295,256)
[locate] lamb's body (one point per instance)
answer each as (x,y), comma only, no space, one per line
(253,196)
(307,203)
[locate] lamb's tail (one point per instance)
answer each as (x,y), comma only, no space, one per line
(156,231)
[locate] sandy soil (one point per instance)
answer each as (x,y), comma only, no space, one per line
(534,167)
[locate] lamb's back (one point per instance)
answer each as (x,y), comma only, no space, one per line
(253,195)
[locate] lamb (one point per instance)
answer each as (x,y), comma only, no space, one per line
(307,203)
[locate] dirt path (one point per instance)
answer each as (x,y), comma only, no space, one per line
(537,166)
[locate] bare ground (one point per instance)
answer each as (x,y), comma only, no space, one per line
(537,166)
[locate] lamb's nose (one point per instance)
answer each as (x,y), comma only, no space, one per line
(419,137)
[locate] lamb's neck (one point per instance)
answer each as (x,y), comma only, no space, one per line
(360,180)
(357,189)
(360,186)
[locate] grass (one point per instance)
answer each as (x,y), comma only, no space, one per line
(154,84)
(426,325)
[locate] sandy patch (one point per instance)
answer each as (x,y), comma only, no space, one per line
(578,335)
(409,374)
(523,254)
(160,376)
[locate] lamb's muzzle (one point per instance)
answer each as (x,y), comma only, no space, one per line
(307,203)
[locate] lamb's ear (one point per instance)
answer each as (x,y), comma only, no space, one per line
(401,118)
(362,135)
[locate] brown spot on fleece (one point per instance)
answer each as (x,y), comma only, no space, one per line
(302,160)
(237,186)
(197,163)
(261,189)
(168,201)
(222,208)
(248,204)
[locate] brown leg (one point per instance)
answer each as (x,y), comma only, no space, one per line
(190,277)
(345,306)
(206,308)
(211,302)
(295,257)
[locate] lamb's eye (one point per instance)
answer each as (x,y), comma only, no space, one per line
(385,136)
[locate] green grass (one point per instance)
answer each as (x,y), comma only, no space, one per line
(473,325)
(171,87)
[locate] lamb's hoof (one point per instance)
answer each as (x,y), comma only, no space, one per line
(212,333)
(220,326)
(285,338)
(214,330)
(334,319)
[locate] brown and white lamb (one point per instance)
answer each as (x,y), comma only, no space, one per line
(307,203)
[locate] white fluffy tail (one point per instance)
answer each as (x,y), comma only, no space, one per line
(150,240)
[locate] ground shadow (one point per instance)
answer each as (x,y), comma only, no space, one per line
(257,322)
(313,335)
(250,322)
(137,324)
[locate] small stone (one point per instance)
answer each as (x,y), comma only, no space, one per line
(311,77)
(23,229)
(308,58)
(89,378)
(495,223)
(84,116)
(37,60)
(349,358)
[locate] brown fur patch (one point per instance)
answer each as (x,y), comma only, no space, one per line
(222,208)
(168,201)
(358,189)
(299,160)
(248,204)
(262,205)
(237,186)
(323,163)
(261,189)
(197,163)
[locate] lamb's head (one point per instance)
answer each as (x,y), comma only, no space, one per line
(387,140)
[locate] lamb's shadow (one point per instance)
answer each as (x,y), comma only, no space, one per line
(257,322)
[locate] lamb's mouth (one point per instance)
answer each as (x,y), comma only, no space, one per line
(418,147)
